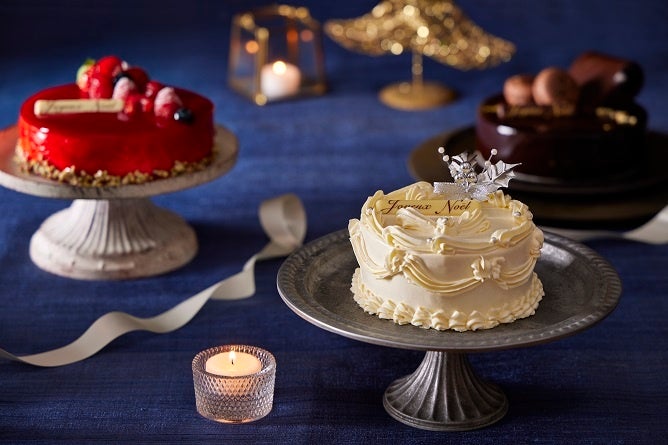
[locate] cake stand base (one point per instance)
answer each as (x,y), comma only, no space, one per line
(112,239)
(445,394)
(416,96)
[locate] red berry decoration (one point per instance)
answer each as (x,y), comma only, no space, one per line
(138,76)
(166,103)
(111,77)
(109,65)
(152,88)
(146,105)
(123,88)
(100,86)
(133,105)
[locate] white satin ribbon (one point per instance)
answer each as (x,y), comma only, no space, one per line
(284,221)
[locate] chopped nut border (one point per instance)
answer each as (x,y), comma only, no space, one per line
(80,178)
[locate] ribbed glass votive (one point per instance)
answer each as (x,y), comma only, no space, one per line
(223,396)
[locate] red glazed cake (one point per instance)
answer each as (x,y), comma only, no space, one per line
(114,126)
(576,124)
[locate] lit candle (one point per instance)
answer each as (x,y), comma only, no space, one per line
(280,79)
(234,383)
(233,364)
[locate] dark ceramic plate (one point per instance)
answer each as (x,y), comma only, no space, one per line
(425,163)
(610,203)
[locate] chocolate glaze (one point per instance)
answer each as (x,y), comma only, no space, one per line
(580,146)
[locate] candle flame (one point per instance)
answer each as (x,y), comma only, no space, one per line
(233,356)
(279,67)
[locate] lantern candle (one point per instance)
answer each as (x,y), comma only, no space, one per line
(279,79)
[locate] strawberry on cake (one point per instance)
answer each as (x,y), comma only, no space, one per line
(114,126)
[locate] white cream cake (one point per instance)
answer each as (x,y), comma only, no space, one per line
(447,256)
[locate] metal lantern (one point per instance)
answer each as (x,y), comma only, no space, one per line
(276,54)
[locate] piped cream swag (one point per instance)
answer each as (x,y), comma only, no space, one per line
(466,270)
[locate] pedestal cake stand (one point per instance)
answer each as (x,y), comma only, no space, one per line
(444,393)
(112,232)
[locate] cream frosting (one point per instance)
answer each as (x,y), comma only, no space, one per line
(446,264)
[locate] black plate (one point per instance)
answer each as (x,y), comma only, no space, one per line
(612,203)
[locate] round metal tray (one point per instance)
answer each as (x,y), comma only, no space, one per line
(581,288)
(444,393)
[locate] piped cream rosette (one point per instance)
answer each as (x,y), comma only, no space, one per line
(434,262)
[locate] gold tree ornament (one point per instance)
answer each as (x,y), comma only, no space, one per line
(438,29)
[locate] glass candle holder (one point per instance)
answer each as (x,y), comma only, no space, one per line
(234,391)
(276,54)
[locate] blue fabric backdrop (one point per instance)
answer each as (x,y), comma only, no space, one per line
(605,385)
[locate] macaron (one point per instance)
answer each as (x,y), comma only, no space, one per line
(517,90)
(554,86)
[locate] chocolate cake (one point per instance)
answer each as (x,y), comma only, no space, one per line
(576,124)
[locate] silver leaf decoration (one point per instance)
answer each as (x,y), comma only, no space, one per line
(499,173)
(469,185)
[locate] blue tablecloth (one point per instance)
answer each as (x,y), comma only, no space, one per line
(605,385)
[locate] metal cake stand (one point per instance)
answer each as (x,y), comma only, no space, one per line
(444,393)
(112,232)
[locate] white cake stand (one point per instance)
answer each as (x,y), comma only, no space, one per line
(112,232)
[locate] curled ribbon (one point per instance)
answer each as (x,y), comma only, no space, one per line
(284,221)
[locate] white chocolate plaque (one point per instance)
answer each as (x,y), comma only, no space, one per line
(71,106)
